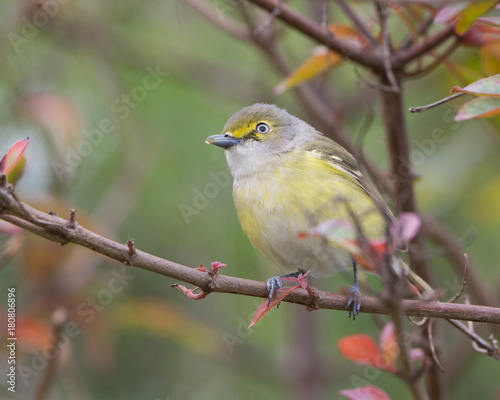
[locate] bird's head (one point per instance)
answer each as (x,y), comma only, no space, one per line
(262,129)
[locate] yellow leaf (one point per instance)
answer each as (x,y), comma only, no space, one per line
(490,58)
(322,61)
(469,15)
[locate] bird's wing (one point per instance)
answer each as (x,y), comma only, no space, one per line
(339,158)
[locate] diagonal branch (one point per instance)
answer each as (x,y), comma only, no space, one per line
(57,229)
(406,55)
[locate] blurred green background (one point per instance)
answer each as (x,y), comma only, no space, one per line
(88,67)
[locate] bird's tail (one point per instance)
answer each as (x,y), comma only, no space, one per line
(400,268)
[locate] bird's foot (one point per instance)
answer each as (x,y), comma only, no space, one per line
(272,284)
(354,301)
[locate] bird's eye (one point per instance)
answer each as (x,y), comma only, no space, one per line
(262,127)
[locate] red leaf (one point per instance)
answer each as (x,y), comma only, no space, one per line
(265,307)
(388,347)
(216,265)
(365,393)
(360,348)
(190,292)
(301,280)
(13,155)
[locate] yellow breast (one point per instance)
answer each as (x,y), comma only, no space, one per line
(276,204)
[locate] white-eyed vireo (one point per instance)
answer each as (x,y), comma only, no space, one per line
(288,178)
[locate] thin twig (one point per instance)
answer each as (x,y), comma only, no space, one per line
(486,346)
(464,280)
(226,24)
(432,347)
(269,20)
(434,64)
(360,26)
(374,85)
(404,56)
(437,103)
(409,40)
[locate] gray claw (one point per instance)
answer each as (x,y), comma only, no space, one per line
(354,301)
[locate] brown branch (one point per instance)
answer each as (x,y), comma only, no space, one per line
(399,150)
(314,30)
(406,55)
(438,61)
(409,40)
(57,229)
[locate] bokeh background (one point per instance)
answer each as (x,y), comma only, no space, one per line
(118,99)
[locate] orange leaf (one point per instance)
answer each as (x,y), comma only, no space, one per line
(265,307)
(13,155)
(30,332)
(348,34)
(321,61)
(365,393)
(360,348)
(372,253)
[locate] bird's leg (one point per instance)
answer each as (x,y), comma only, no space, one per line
(354,296)
(275,282)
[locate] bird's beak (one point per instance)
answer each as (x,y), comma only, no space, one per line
(223,141)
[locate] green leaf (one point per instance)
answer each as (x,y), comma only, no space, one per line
(481,107)
(489,86)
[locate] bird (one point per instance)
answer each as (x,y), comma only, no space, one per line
(288,178)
